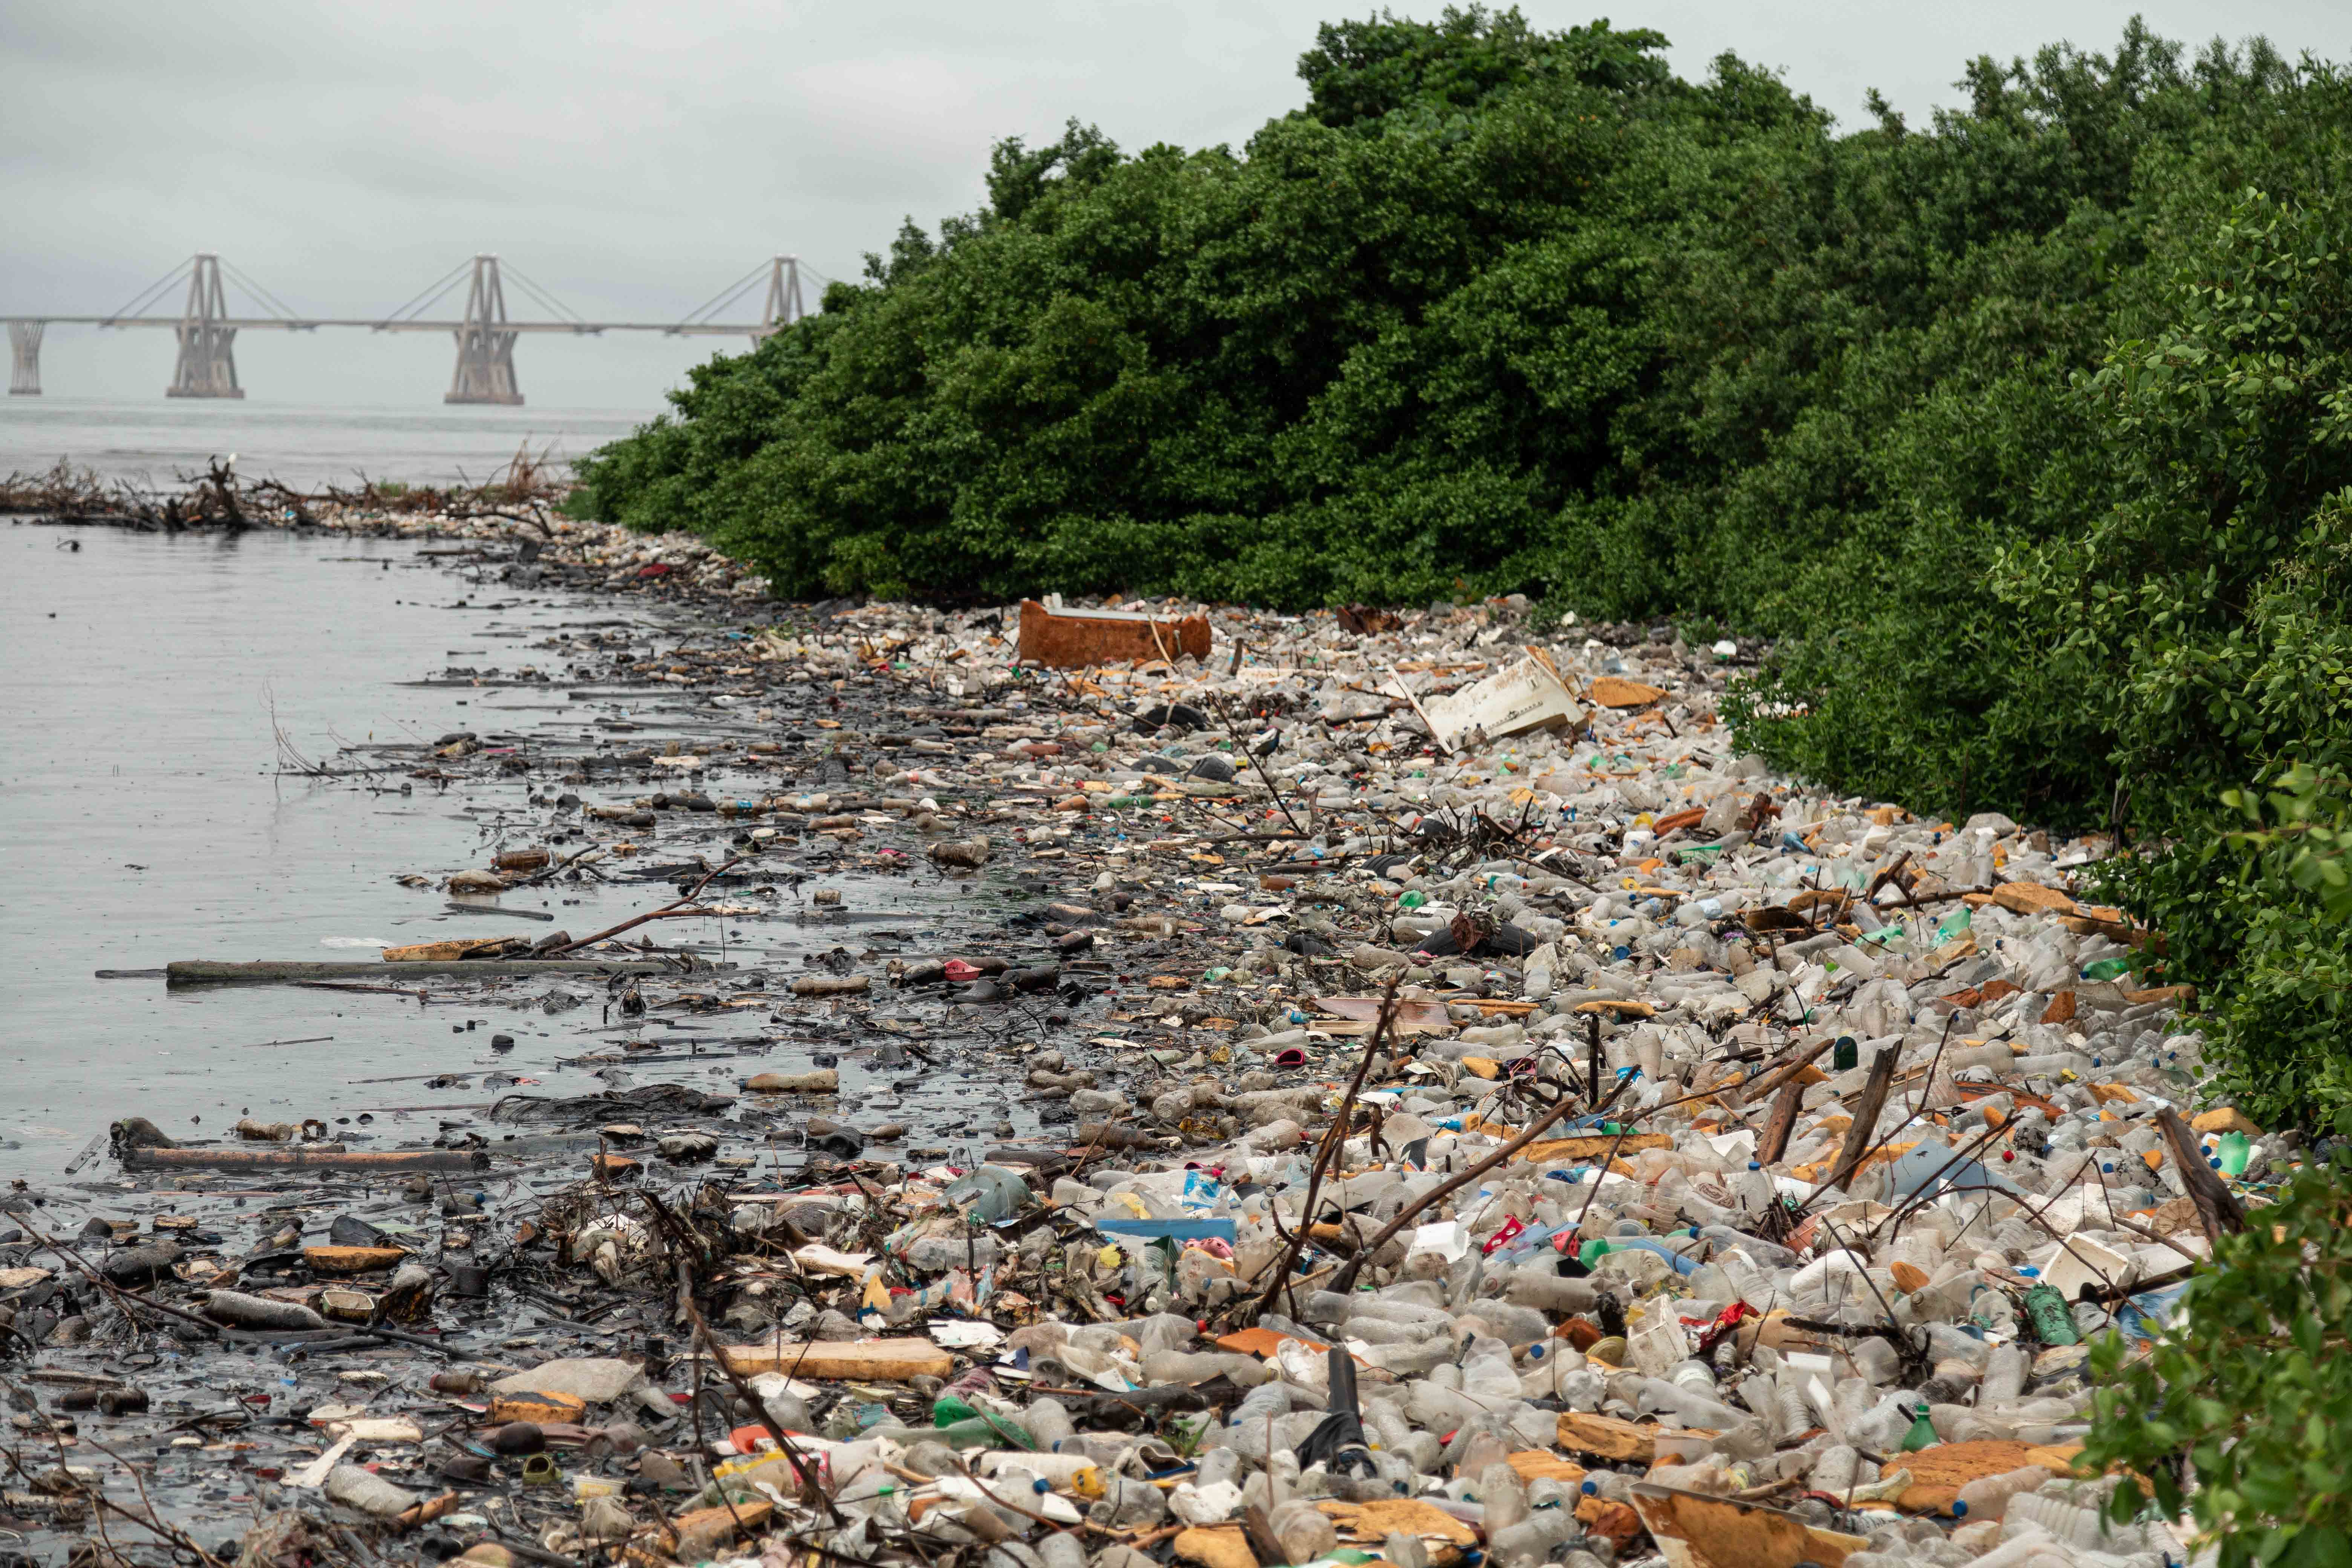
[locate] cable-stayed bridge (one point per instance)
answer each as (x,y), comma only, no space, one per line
(484,332)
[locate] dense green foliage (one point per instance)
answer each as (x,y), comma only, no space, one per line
(2252,1383)
(2024,433)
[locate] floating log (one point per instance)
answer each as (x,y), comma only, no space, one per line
(273,972)
(305,1160)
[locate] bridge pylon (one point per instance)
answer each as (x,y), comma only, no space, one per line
(207,367)
(784,307)
(25,358)
(485,351)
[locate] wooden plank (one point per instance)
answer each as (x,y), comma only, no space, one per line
(1367,1525)
(887,1360)
(1216,1546)
(1607,1437)
(1779,1124)
(1865,1116)
(1722,1533)
(350,1259)
(539,1409)
(1543,1465)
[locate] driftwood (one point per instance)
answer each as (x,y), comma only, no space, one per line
(272,972)
(379,1161)
(1865,1117)
(2218,1209)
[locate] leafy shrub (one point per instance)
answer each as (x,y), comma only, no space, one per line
(2260,918)
(2025,433)
(2250,1384)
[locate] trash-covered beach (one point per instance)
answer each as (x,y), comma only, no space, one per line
(1243,1090)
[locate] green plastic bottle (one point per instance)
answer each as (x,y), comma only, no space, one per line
(1953,924)
(965,1427)
(1922,1433)
(2054,1324)
(2235,1150)
(2107,968)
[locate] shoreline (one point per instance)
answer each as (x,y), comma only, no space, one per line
(1156,946)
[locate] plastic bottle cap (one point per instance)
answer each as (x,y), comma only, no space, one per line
(1591,1488)
(1960,1508)
(1755,1164)
(1041,1484)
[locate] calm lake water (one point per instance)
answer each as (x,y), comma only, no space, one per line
(143,820)
(153,441)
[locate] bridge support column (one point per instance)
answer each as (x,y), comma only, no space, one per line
(207,367)
(784,307)
(25,358)
(484,352)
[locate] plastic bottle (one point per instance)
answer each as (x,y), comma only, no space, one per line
(1441,1409)
(2088,1528)
(1988,1497)
(1412,1359)
(1533,1537)
(1503,1495)
(1048,1421)
(1695,1409)
(1176,1366)
(2053,1322)
(1547,1291)
(993,1193)
(2017,1550)
(1066,1472)
(1694,1377)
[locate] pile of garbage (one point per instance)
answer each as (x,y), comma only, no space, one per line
(545,549)
(1476,1117)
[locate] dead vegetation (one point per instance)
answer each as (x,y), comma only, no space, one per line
(527,491)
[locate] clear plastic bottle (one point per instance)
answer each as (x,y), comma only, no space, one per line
(1503,1495)
(1988,1497)
(2004,1377)
(1533,1537)
(1175,1366)
(1537,1286)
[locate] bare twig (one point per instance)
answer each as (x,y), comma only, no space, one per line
(1334,1138)
(682,907)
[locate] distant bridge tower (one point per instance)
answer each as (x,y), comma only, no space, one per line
(485,350)
(783,306)
(25,358)
(206,367)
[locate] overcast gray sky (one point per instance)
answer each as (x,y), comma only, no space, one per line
(636,157)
